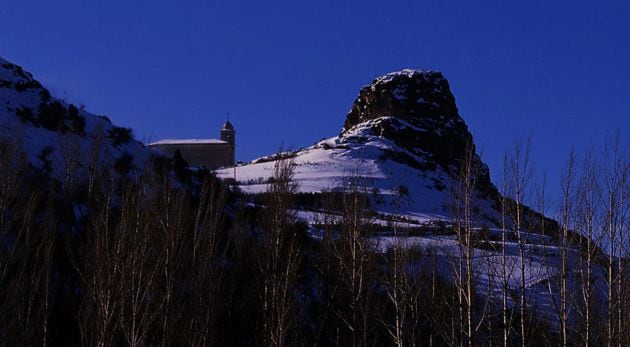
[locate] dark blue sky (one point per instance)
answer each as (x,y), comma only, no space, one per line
(288,71)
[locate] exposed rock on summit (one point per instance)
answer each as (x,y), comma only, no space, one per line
(417,111)
(414,95)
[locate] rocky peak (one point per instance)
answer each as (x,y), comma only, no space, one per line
(419,97)
(416,110)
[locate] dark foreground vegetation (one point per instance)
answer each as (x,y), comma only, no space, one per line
(91,257)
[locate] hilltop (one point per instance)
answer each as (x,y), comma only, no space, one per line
(404,138)
(59,137)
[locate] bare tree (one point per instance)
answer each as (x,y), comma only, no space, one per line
(171,217)
(588,205)
(207,276)
(623,292)
(463,267)
(139,269)
(402,280)
(518,176)
(395,280)
(117,265)
(279,258)
(566,222)
(27,245)
(614,182)
(71,157)
(98,262)
(349,260)
(506,319)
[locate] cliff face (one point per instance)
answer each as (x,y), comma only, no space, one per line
(414,95)
(417,111)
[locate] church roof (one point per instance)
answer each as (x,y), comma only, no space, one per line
(187,142)
(228,126)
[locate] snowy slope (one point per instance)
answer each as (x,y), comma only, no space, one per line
(326,165)
(420,195)
(67,145)
(404,138)
(542,268)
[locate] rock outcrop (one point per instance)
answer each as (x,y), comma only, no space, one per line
(417,111)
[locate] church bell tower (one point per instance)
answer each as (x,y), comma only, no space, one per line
(229,135)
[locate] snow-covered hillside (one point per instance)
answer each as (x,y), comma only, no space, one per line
(396,187)
(404,139)
(58,136)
